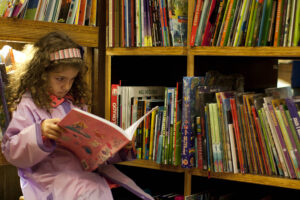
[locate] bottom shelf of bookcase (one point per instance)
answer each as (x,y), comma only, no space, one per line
(251,178)
(245,178)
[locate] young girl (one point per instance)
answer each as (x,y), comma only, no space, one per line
(45,87)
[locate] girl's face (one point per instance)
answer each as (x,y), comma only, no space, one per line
(61,80)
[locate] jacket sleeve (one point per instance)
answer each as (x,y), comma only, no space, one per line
(22,144)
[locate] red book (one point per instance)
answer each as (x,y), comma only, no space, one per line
(94,139)
(82,12)
(114,103)
(207,33)
(132,18)
(196,20)
(237,134)
(261,142)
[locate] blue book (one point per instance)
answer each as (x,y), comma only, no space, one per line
(31,9)
(262,23)
(159,150)
(188,114)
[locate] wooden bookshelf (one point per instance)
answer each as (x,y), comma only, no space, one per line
(191,53)
(20,30)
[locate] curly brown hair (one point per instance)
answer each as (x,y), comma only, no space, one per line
(32,73)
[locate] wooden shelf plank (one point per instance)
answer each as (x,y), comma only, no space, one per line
(252,178)
(19,30)
(152,165)
(151,51)
(246,178)
(279,52)
(288,52)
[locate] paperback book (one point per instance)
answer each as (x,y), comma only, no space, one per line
(94,139)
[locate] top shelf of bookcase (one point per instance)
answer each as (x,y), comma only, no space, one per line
(20,30)
(278,52)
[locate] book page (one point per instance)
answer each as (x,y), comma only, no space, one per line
(129,132)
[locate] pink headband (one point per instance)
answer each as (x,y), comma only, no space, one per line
(65,53)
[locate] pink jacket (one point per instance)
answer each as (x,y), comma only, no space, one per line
(52,172)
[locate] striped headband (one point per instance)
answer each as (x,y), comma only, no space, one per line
(65,53)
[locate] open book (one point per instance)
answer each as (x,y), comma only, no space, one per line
(94,139)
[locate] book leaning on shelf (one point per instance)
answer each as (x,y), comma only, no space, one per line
(94,139)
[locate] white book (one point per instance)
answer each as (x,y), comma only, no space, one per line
(233,150)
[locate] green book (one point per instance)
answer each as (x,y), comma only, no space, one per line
(230,23)
(267,22)
(252,15)
(297,26)
(239,27)
(267,142)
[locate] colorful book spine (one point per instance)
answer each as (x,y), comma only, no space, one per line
(290,137)
(278,23)
(267,141)
(294,114)
(237,135)
(196,19)
(228,22)
(287,159)
(188,104)
(210,23)
(202,22)
(296,40)
(262,145)
(289,143)
(221,11)
(281,164)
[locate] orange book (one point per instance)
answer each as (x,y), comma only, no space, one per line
(226,22)
(93,13)
(278,23)
(82,10)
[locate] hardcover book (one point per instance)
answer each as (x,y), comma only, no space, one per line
(94,139)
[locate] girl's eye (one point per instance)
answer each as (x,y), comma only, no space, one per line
(60,78)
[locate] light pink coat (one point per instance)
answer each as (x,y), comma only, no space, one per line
(50,172)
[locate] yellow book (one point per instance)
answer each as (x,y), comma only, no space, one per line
(77,12)
(93,13)
(152,127)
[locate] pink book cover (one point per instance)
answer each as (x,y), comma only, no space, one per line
(94,139)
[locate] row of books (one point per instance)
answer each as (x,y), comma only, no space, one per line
(246,23)
(80,12)
(249,133)
(158,138)
(242,132)
(147,23)
(142,23)
(202,126)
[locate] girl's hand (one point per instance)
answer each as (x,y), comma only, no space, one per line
(50,129)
